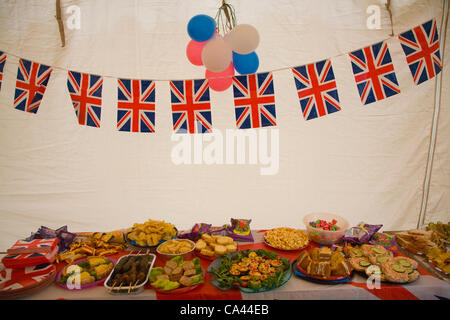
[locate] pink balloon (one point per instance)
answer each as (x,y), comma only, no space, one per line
(194,52)
(220,81)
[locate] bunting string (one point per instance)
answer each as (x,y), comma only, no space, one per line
(254,94)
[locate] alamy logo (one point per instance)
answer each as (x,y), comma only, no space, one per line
(255,147)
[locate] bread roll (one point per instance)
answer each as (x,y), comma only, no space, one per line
(207,237)
(224,240)
(201,244)
(219,249)
(207,252)
(231,248)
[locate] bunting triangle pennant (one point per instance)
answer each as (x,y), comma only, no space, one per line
(191,107)
(374,73)
(2,65)
(421,47)
(316,89)
(31,83)
(86,94)
(136,105)
(254,100)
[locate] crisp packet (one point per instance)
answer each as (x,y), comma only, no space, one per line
(382,239)
(239,230)
(196,232)
(65,237)
(362,233)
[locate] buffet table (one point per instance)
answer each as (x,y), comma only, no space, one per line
(430,285)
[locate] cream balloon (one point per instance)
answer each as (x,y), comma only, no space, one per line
(217,54)
(243,39)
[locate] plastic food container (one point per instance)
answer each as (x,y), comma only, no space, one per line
(186,256)
(127,289)
(323,236)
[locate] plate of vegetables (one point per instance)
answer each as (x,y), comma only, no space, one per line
(177,276)
(85,273)
(250,271)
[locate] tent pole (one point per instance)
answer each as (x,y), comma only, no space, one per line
(437,104)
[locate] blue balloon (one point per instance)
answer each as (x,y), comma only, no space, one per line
(201,27)
(246,63)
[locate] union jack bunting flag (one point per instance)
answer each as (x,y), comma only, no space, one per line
(254,100)
(2,65)
(316,89)
(191,108)
(86,93)
(13,279)
(421,47)
(32,80)
(136,105)
(374,73)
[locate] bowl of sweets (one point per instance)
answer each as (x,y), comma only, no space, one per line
(325,228)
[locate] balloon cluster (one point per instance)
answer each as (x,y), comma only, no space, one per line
(222,55)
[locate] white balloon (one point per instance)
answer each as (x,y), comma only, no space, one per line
(217,54)
(243,39)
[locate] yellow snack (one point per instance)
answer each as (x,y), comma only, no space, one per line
(207,238)
(224,240)
(286,238)
(219,249)
(151,232)
(231,248)
(207,252)
(200,245)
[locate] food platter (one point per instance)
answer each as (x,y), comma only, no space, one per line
(135,288)
(299,272)
(222,267)
(372,260)
(324,265)
(82,286)
(437,268)
(286,237)
(153,248)
(181,290)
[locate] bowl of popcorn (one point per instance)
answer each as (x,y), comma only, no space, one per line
(176,247)
(325,228)
(286,239)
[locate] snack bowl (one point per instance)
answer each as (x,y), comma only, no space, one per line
(186,255)
(325,237)
(152,248)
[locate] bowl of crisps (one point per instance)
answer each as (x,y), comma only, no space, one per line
(151,233)
(176,247)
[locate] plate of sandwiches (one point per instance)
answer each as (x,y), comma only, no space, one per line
(376,260)
(323,265)
(416,241)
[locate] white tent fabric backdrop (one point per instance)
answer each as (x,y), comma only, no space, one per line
(366,163)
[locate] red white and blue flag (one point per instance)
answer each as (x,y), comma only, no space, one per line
(31,83)
(13,279)
(421,47)
(33,246)
(374,73)
(2,65)
(191,108)
(136,105)
(86,93)
(254,100)
(316,89)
